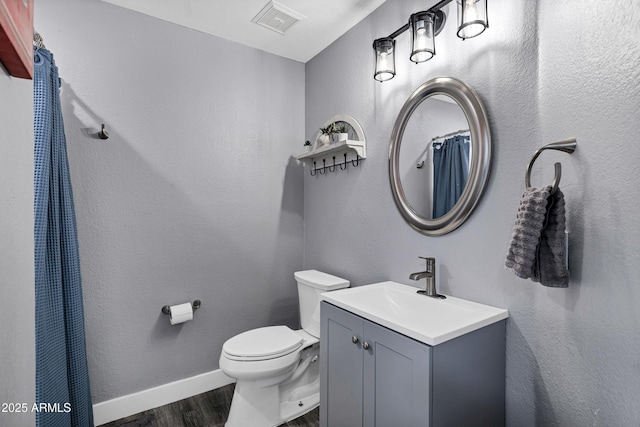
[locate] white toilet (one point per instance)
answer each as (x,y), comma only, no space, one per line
(275,368)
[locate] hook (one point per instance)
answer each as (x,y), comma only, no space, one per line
(103,134)
(324,167)
(345,163)
(357,161)
(420,165)
(313,172)
(567,145)
(334,165)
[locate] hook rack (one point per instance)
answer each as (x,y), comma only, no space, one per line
(566,145)
(332,168)
(336,154)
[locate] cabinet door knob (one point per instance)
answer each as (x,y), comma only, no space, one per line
(365,345)
(354,339)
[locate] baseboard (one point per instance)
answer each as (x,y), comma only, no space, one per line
(120,407)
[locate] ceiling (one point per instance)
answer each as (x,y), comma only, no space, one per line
(321,21)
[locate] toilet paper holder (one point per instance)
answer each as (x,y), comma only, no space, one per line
(195,305)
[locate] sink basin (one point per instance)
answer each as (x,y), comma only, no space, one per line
(428,320)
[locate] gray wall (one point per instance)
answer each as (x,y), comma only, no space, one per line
(168,212)
(17,335)
(194,195)
(546,71)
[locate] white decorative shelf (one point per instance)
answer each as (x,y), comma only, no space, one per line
(339,154)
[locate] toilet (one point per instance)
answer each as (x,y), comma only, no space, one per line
(276,368)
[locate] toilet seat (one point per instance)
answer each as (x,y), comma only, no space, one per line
(266,343)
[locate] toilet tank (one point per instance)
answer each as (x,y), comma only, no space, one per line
(312,283)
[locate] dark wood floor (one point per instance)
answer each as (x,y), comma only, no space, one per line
(204,410)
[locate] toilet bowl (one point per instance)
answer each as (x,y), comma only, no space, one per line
(275,367)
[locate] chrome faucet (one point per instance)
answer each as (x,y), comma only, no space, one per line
(430,275)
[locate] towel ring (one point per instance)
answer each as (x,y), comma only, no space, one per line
(567,145)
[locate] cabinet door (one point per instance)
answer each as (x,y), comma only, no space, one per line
(340,368)
(396,379)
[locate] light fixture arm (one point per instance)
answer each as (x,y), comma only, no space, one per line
(399,31)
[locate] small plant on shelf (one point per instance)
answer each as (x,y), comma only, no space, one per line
(324,138)
(327,129)
(339,132)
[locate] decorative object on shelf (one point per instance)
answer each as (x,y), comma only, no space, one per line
(339,132)
(307,146)
(324,137)
(349,149)
(425,26)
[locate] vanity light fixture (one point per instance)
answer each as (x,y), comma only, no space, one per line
(385,58)
(422,37)
(472,18)
(425,26)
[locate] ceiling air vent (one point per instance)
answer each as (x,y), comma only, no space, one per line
(277,17)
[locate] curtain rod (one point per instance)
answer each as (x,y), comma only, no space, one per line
(450,134)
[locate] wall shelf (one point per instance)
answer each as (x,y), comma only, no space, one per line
(337,151)
(340,154)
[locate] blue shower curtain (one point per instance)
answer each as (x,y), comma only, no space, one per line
(450,172)
(62,380)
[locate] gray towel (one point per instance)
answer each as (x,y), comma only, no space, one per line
(537,249)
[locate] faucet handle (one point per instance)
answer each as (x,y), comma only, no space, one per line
(431,263)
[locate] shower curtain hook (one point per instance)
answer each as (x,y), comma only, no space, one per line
(103,134)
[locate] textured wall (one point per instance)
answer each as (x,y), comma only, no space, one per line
(194,195)
(545,71)
(17,372)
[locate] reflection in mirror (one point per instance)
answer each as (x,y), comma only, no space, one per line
(434,160)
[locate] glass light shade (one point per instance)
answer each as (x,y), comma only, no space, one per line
(385,59)
(422,38)
(472,18)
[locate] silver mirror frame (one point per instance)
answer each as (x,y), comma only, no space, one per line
(480,163)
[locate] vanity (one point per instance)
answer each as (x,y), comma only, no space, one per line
(392,357)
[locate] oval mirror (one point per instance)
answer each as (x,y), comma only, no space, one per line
(440,156)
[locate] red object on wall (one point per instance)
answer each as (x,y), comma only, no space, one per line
(16,37)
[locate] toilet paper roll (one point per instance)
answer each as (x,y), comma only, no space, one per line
(181,313)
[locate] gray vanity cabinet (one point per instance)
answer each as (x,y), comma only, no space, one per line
(373,376)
